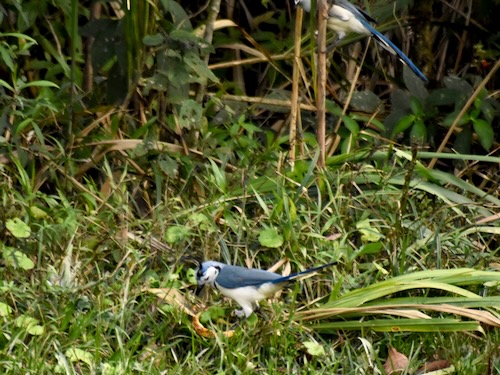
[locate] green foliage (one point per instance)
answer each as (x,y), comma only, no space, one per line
(116,165)
(372,298)
(416,111)
(270,238)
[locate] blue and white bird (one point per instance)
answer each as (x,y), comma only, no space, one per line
(344,17)
(246,286)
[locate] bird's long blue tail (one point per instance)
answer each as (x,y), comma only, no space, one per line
(391,47)
(299,274)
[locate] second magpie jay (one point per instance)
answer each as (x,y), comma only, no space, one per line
(344,17)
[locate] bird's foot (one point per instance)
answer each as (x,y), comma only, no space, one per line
(332,45)
(239,313)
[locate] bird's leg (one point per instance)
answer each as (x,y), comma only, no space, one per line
(263,314)
(335,43)
(242,315)
(332,45)
(246,309)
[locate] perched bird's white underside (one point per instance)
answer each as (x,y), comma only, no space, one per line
(342,21)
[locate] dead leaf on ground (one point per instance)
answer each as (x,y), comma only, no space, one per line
(433,366)
(396,362)
(175,298)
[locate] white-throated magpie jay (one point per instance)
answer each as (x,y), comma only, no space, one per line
(344,17)
(246,286)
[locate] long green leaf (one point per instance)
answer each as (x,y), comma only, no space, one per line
(401,325)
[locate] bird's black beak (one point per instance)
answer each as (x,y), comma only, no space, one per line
(199,288)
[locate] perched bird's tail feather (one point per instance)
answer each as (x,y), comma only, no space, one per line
(391,48)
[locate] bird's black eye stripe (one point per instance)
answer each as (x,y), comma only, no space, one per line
(200,272)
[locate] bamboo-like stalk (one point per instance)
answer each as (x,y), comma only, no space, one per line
(321,81)
(294,105)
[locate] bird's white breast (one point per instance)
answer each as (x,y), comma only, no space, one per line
(250,294)
(343,21)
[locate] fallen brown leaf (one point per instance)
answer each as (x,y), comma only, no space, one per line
(396,362)
(433,366)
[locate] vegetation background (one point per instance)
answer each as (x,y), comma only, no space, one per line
(137,134)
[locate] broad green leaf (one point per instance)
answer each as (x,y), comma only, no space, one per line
(198,218)
(369,233)
(270,238)
(37,213)
(370,248)
(314,348)
(178,14)
(176,233)
(168,165)
(190,114)
(249,127)
(25,321)
(403,124)
(30,324)
(451,117)
(461,86)
(444,96)
(418,134)
(17,259)
(212,314)
(5,310)
(79,355)
(36,330)
(484,132)
(351,124)
(488,109)
(153,40)
(463,141)
(365,101)
(18,228)
(416,107)
(199,67)
(333,108)
(414,84)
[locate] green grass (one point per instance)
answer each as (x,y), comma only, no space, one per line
(84,306)
(116,167)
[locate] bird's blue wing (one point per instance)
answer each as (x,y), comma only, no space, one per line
(237,277)
(359,13)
